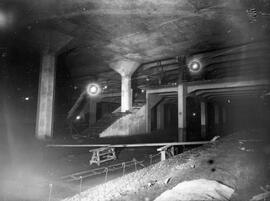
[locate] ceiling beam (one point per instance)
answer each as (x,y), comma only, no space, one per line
(162,90)
(194,86)
(248,88)
(233,94)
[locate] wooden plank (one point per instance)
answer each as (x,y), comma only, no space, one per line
(129,145)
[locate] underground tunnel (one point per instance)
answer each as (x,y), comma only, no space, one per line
(134,100)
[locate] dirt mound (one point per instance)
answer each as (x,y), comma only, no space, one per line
(240,161)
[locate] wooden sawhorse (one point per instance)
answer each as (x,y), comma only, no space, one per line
(102,154)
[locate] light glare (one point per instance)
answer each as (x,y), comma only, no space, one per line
(93,89)
(195,66)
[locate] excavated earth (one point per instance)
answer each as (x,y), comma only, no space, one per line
(240,160)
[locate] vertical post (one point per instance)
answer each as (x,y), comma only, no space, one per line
(148,113)
(92,111)
(160,116)
(182,113)
(44,123)
(203,119)
(163,155)
(126,93)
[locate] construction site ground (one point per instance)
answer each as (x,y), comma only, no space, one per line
(240,160)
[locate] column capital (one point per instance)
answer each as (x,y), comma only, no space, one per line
(52,41)
(125,67)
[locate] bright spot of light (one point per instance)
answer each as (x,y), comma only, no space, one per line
(193,114)
(195,66)
(142,90)
(228,101)
(78,117)
(105,87)
(27,98)
(93,89)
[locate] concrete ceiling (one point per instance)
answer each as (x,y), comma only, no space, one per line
(100,32)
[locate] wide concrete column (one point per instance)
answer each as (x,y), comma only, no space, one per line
(203,119)
(182,136)
(44,124)
(125,68)
(51,42)
(160,116)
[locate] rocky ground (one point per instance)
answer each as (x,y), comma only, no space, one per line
(240,161)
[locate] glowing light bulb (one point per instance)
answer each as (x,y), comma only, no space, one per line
(78,117)
(93,89)
(195,66)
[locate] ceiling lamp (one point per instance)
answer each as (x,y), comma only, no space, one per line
(93,89)
(194,66)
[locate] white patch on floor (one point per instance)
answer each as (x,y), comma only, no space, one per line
(200,189)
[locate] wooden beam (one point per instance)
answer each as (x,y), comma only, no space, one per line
(128,145)
(162,90)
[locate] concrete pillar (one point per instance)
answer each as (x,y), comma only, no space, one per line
(92,111)
(182,113)
(160,116)
(148,113)
(44,124)
(125,68)
(126,93)
(203,119)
